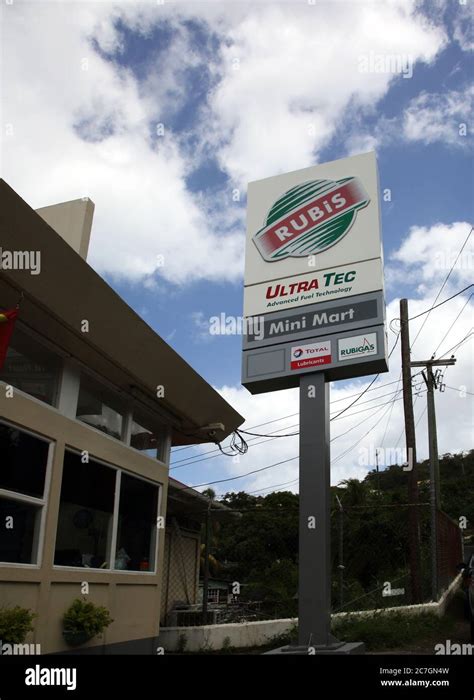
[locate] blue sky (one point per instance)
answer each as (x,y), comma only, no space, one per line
(162,113)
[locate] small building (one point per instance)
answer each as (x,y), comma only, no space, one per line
(218,592)
(91,402)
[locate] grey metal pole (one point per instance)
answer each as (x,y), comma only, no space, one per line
(433,450)
(341,552)
(314,601)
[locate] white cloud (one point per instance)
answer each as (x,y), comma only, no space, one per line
(83,125)
(286,83)
(462,26)
(443,117)
(428,253)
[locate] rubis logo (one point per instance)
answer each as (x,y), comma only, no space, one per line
(310,218)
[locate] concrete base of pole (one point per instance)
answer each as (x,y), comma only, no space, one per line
(337,649)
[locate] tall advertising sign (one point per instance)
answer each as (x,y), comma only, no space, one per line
(314,312)
(314,291)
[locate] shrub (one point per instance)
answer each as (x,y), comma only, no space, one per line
(83,616)
(182,642)
(15,623)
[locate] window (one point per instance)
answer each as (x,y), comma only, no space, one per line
(31,367)
(100,408)
(146,435)
(20,531)
(137,524)
(85,513)
(213,595)
(23,471)
(23,461)
(91,518)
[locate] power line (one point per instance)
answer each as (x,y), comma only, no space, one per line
(200,457)
(270,466)
(455,347)
(266,488)
(274,420)
(451,326)
(454,389)
(233,478)
(441,289)
(428,311)
(363,436)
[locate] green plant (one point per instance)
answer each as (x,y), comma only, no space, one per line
(389,630)
(15,623)
(86,618)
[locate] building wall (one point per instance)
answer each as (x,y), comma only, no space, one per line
(181,569)
(133,599)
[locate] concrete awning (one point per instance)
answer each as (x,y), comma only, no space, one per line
(120,346)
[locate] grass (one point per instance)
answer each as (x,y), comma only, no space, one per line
(392,630)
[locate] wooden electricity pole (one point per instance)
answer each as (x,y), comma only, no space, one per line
(410,439)
(431,385)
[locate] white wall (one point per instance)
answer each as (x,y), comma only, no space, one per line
(253,634)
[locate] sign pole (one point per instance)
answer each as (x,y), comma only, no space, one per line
(314,597)
(314,590)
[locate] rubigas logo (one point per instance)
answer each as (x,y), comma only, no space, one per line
(361,349)
(310,218)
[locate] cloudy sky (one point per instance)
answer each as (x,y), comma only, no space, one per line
(162,112)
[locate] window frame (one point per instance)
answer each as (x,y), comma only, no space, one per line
(111,554)
(41,503)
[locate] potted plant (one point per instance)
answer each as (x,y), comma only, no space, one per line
(15,623)
(83,620)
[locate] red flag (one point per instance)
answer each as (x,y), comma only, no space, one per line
(7,323)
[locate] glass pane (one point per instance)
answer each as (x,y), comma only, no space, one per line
(31,367)
(137,525)
(97,406)
(144,439)
(19,531)
(85,513)
(23,461)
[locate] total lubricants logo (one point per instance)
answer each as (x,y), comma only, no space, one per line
(310,218)
(310,355)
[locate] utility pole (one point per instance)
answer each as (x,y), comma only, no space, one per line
(377,467)
(341,552)
(410,439)
(205,583)
(431,382)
